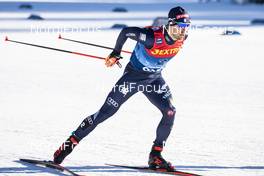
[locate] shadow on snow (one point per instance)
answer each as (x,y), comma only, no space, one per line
(29,168)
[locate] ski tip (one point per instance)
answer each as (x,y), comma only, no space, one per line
(6,38)
(59,36)
(25,160)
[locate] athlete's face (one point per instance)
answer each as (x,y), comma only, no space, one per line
(178,31)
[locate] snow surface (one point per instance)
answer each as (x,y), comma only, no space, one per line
(217,83)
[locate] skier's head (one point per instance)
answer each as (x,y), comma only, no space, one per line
(178,23)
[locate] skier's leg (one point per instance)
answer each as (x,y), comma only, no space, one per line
(119,94)
(114,100)
(160,96)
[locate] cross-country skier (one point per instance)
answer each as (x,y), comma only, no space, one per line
(155,47)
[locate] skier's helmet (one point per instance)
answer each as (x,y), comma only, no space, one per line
(178,16)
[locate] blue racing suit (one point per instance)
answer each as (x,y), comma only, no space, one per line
(153,50)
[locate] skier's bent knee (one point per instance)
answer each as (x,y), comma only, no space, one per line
(169,112)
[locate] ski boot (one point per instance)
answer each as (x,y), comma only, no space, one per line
(157,162)
(65,149)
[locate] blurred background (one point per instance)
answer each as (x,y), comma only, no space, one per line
(89,14)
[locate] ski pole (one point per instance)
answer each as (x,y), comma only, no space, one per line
(91,44)
(61,50)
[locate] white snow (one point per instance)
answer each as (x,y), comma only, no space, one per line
(217,84)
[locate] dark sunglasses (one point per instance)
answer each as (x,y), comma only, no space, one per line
(180,24)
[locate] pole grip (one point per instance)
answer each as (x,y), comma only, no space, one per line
(119,64)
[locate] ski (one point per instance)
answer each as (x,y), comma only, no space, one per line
(50,164)
(160,171)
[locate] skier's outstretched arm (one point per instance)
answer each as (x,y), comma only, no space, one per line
(142,35)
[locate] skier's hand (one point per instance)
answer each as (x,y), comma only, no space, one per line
(112,59)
